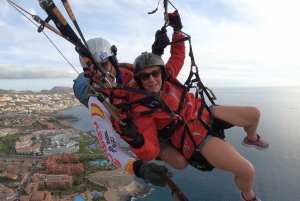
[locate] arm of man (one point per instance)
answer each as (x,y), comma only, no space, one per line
(146,125)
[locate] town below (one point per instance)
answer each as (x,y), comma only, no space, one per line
(44,158)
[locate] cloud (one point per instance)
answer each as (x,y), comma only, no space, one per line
(35,72)
(234,42)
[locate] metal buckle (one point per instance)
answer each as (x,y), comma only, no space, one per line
(177,117)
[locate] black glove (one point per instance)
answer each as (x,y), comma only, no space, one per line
(129,129)
(161,41)
(175,20)
(133,137)
(152,172)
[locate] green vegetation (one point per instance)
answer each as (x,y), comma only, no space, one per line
(13,137)
(7,142)
(5,148)
(83,185)
(98,198)
(52,120)
(83,145)
(97,151)
(83,148)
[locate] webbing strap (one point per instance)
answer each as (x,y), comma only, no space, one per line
(155,96)
(200,85)
(182,97)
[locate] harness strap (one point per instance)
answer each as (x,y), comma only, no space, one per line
(201,86)
(138,114)
(182,97)
(187,129)
(155,96)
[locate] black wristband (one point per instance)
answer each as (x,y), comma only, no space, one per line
(137,142)
(137,167)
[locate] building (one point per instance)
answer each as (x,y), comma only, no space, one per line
(11,176)
(49,181)
(37,196)
(24,145)
(62,144)
(56,164)
(6,193)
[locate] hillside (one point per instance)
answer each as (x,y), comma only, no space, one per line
(54,90)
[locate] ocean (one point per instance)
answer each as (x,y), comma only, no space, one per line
(277,168)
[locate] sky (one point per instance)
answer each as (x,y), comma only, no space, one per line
(236,43)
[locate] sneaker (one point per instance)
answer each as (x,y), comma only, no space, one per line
(258,144)
(253,199)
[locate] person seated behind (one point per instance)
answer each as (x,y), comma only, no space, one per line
(191,136)
(105,54)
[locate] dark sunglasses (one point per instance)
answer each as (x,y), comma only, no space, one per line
(146,76)
(104,64)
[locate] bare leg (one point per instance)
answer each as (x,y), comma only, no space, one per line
(223,156)
(174,158)
(243,116)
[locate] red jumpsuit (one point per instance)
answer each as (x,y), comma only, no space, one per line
(149,125)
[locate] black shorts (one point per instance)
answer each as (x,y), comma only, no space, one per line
(218,126)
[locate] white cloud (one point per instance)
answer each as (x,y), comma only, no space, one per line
(235,42)
(35,72)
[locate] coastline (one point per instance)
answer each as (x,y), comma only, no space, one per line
(120,185)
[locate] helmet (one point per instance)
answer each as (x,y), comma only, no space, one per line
(146,60)
(100,50)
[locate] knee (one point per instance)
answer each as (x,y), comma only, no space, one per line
(174,158)
(181,163)
(247,172)
(255,113)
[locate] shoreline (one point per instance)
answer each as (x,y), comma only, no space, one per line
(120,184)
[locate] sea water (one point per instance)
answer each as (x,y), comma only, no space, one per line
(277,168)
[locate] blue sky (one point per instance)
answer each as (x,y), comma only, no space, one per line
(236,43)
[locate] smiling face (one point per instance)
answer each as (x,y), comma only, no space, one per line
(151,78)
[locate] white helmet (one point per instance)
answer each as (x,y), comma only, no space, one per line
(100,50)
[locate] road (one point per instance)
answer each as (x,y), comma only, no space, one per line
(27,180)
